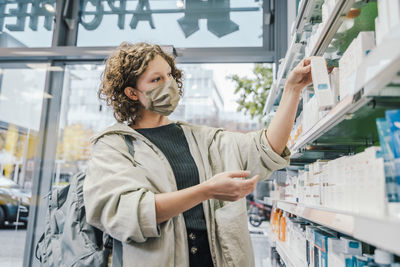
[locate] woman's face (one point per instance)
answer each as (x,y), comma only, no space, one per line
(158,72)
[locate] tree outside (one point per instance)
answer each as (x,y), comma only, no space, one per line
(253,92)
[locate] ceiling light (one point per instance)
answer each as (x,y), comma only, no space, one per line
(180,4)
(49,8)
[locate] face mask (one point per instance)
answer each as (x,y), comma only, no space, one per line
(163,99)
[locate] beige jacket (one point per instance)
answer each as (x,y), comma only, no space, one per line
(119,194)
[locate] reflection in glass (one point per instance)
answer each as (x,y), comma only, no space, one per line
(21,98)
(27,23)
(190,23)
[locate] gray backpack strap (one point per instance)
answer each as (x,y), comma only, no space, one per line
(117,253)
(117,245)
(129,143)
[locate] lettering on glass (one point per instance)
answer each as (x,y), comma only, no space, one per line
(216,13)
(24,11)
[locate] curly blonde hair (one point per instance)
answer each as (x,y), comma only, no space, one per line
(122,69)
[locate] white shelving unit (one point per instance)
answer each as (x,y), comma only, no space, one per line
(287,257)
(380,232)
(269,201)
(379,69)
(294,50)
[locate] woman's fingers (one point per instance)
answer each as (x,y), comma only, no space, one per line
(305,69)
(249,184)
(238,174)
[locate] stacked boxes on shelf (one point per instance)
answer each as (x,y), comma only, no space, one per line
(351,60)
(388,20)
(330,88)
(313,245)
(352,183)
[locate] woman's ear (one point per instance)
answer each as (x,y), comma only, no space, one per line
(131,93)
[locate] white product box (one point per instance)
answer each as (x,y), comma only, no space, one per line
(334,82)
(321,83)
(306,95)
(394,13)
(351,59)
(378,31)
(310,114)
(350,246)
(384,16)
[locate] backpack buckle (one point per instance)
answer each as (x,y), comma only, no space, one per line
(108,241)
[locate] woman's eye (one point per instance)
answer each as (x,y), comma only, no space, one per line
(156,80)
(170,74)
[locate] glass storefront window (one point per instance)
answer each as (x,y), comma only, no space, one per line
(182,23)
(21,97)
(27,23)
(209,97)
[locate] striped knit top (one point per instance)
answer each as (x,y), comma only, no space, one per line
(171,140)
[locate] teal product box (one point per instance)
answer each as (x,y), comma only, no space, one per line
(360,261)
(392,170)
(321,247)
(393,120)
(310,230)
(385,138)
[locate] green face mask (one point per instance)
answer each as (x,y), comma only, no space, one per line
(163,99)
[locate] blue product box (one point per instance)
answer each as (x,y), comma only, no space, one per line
(321,247)
(393,120)
(385,138)
(360,261)
(310,230)
(392,170)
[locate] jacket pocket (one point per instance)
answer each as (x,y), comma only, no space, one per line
(233,234)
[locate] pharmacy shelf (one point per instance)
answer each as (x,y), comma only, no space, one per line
(290,58)
(377,80)
(331,26)
(289,259)
(269,201)
(383,233)
(305,9)
(295,50)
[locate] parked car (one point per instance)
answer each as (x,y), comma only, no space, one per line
(14,202)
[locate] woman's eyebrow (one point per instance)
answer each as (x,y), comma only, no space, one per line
(158,72)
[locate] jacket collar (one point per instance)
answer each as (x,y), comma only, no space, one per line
(123,129)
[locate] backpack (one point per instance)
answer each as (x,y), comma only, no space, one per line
(68,240)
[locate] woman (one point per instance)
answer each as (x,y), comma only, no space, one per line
(179,200)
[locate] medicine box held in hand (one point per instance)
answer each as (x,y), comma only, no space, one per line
(321,83)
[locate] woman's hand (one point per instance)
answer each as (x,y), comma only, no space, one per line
(223,186)
(300,76)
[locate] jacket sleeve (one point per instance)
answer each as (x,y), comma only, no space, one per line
(117,196)
(251,151)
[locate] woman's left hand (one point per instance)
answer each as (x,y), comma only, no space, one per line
(300,76)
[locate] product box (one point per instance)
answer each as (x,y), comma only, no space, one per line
(336,256)
(310,114)
(310,229)
(334,82)
(394,14)
(321,83)
(393,120)
(351,59)
(321,246)
(384,17)
(361,261)
(350,246)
